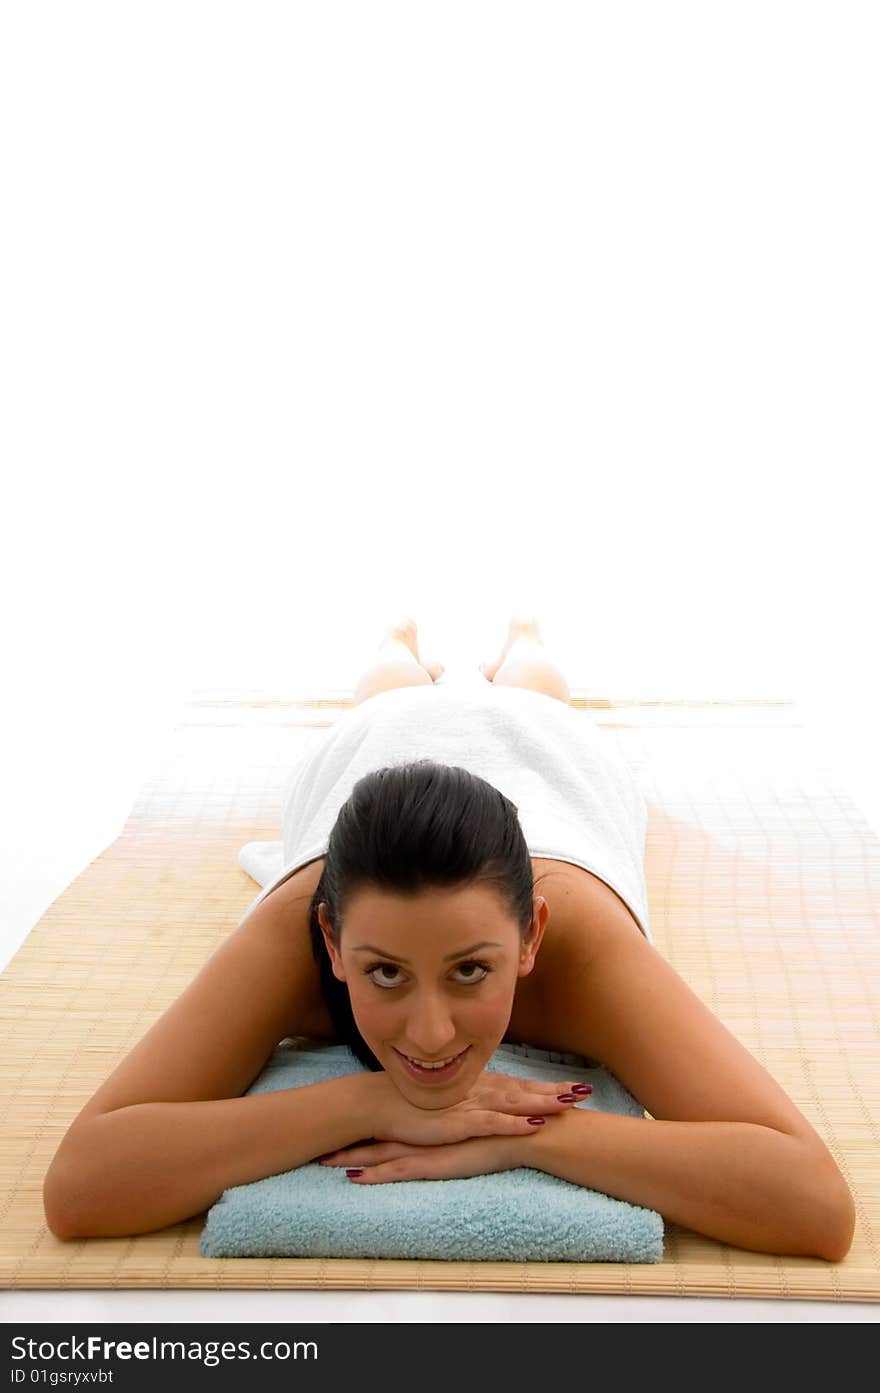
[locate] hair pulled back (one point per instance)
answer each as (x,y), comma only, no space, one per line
(409,828)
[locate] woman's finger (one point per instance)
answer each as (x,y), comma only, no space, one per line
(372,1155)
(401,1168)
(564,1087)
(505,1124)
(537,1085)
(478,1156)
(520,1093)
(532,1101)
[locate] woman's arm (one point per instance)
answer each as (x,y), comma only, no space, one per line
(735,1181)
(148,1165)
(724,1151)
(143,1167)
(169,1130)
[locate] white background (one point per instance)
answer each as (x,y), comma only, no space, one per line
(315,315)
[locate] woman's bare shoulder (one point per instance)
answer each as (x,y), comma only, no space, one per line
(259,985)
(609,994)
(582,907)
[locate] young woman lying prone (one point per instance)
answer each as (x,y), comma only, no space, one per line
(418,937)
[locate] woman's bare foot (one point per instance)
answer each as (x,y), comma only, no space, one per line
(405,631)
(521,626)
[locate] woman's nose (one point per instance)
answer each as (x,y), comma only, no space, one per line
(431,1028)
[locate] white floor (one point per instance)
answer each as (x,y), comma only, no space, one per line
(94,761)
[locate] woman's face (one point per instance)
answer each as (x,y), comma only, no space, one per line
(431,979)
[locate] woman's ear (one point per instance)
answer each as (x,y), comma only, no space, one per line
(332,950)
(532,942)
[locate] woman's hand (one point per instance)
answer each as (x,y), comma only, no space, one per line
(379,1162)
(498,1105)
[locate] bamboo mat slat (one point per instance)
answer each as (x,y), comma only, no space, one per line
(763,883)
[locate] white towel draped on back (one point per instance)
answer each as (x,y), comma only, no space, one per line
(576,797)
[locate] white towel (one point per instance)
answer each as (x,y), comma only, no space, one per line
(576,797)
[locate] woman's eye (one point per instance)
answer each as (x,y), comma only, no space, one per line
(384,975)
(473,972)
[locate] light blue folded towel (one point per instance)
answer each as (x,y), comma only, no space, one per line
(520,1215)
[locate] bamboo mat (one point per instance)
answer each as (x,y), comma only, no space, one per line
(763,883)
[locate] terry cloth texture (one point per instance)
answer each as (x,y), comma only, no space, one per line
(520,1215)
(576,797)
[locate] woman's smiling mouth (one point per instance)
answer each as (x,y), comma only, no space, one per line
(427,1072)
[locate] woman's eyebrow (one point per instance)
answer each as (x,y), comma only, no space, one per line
(450,957)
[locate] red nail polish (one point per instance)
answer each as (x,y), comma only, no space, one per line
(354,1172)
(582,1088)
(566,1097)
(536,1121)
